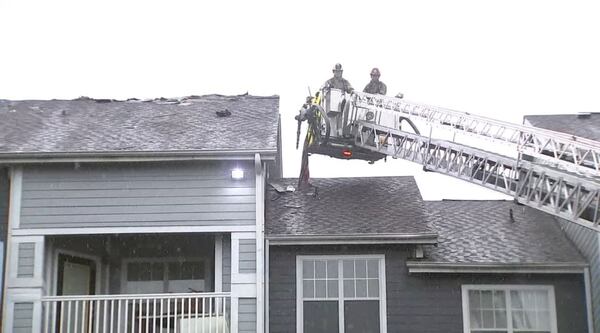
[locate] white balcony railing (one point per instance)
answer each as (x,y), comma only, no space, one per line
(156,313)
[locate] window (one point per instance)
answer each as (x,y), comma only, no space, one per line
(154,276)
(341,294)
(509,309)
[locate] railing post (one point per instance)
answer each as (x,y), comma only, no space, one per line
(46,310)
(54,313)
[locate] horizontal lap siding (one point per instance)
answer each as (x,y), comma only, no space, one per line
(417,302)
(4,194)
(282,289)
(26,259)
(247,262)
(227,263)
(586,241)
(136,195)
(4,190)
(247,315)
(23,318)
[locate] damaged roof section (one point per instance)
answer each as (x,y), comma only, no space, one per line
(495,234)
(96,126)
(348,210)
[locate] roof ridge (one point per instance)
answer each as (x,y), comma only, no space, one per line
(178,126)
(477,200)
(136,99)
(352,177)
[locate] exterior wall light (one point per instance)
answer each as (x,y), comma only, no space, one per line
(237,174)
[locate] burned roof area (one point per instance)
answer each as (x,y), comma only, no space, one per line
(347,207)
(156,125)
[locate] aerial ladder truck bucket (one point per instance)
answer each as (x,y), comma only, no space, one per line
(551,171)
(330,131)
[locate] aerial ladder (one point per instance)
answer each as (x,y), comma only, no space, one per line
(554,172)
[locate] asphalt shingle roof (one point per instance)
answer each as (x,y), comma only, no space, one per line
(586,127)
(469,231)
(483,232)
(166,125)
(347,206)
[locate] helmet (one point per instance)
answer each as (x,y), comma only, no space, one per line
(375,71)
(337,67)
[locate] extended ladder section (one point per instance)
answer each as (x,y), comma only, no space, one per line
(561,177)
(575,154)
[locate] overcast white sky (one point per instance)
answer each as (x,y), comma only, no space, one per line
(499,59)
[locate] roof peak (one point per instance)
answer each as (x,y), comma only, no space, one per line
(185,125)
(477,200)
(352,177)
(160,100)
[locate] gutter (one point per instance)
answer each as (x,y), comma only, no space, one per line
(350,239)
(497,268)
(137,156)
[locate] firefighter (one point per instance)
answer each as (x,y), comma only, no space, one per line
(375,86)
(337,81)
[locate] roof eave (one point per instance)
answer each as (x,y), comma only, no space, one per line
(136,156)
(497,268)
(353,239)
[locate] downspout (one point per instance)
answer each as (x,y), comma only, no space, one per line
(588,299)
(260,240)
(267,263)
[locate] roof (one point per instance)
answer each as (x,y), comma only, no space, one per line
(177,126)
(586,127)
(483,233)
(349,209)
(469,235)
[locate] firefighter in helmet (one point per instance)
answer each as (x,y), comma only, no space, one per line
(375,86)
(337,81)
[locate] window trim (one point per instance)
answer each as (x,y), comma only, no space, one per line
(165,260)
(507,288)
(54,270)
(300,291)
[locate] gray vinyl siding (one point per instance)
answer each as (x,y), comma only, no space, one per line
(26,260)
(167,194)
(4,194)
(247,315)
(247,260)
(417,302)
(587,242)
(23,318)
(4,190)
(226,268)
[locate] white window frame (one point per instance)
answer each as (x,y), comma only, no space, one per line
(507,288)
(340,258)
(166,260)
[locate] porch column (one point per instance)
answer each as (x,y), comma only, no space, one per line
(218,263)
(24,280)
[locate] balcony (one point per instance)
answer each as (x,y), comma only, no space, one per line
(142,313)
